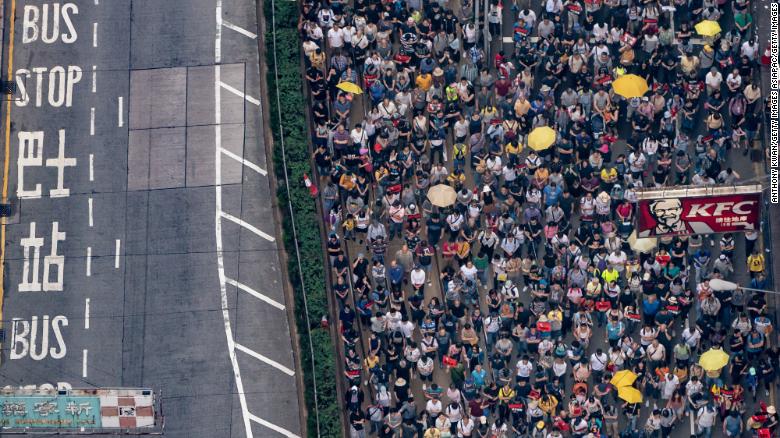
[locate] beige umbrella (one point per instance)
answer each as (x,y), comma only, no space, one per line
(442,195)
(646,244)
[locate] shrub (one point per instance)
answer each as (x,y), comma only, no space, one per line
(291,105)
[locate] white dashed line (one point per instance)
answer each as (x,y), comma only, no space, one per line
(92,121)
(254,293)
(246,163)
(121,112)
(272,426)
(89,261)
(89,203)
(240,30)
(116,254)
(84,363)
(86,313)
(91,168)
(238,93)
(94,78)
(262,358)
(94,34)
(248,226)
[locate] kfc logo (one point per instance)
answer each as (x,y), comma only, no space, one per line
(699,215)
(721,208)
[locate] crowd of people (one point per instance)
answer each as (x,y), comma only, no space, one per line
(509,312)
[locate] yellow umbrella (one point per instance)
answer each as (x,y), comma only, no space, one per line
(623,378)
(541,138)
(349,87)
(645,244)
(708,28)
(714,359)
(442,195)
(630,394)
(630,86)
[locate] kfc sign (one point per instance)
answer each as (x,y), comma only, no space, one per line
(698,214)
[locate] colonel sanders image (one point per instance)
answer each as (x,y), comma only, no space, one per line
(667,214)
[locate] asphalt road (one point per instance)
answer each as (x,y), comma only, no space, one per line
(136,145)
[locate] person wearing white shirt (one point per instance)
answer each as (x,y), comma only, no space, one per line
(750,49)
(524,368)
(335,37)
(527,15)
(713,80)
(553,7)
(598,362)
(433,407)
(417,277)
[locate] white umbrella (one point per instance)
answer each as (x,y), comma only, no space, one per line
(645,244)
(717,284)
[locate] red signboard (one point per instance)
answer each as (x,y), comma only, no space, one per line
(705,214)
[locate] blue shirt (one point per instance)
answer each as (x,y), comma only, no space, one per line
(396,274)
(551,194)
(650,308)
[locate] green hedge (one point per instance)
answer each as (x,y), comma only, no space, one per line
(296,138)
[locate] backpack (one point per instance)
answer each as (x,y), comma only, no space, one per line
(737,105)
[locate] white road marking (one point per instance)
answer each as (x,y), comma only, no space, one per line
(84,363)
(121,112)
(94,34)
(240,94)
(94,78)
(116,254)
(248,226)
(86,313)
(92,121)
(262,358)
(254,293)
(218,222)
(240,30)
(89,202)
(246,163)
(272,426)
(89,261)
(91,170)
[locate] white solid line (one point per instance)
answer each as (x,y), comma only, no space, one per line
(121,113)
(89,202)
(86,313)
(240,30)
(116,254)
(94,78)
(89,261)
(91,170)
(238,93)
(94,34)
(84,363)
(254,293)
(249,227)
(92,121)
(272,426)
(217,60)
(246,163)
(218,223)
(262,358)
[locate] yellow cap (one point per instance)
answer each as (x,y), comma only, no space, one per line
(708,48)
(540,425)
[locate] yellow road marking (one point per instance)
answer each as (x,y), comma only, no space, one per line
(6,158)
